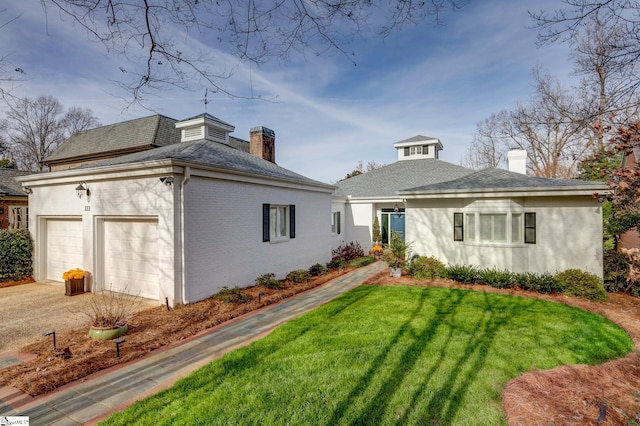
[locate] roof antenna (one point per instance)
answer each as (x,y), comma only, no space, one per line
(205,100)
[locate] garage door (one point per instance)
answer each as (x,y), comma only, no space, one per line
(131,256)
(63,247)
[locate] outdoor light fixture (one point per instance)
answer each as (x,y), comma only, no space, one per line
(49,333)
(260,297)
(396,209)
(167,180)
(118,343)
(27,190)
(82,189)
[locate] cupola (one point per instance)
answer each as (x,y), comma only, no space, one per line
(206,127)
(418,147)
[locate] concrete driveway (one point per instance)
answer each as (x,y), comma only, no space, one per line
(28,310)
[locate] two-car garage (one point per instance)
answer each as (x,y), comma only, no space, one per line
(127,249)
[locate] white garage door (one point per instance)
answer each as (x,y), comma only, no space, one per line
(63,247)
(131,256)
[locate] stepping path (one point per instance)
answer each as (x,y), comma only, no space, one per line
(101,394)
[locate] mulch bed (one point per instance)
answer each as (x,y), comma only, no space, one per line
(79,356)
(14,283)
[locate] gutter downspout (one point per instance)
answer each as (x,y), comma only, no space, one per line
(183,274)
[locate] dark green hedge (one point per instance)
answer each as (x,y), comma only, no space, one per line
(16,250)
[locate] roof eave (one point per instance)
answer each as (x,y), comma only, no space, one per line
(506,192)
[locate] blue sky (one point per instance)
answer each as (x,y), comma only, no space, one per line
(434,80)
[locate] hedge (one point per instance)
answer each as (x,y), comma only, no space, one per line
(16,250)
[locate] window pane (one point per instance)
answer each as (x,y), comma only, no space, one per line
(516,226)
(282,221)
(485,227)
(470,231)
(499,227)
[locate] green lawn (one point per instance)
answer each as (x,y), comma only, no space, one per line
(386,355)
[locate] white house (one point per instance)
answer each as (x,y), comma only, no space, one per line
(491,218)
(191,211)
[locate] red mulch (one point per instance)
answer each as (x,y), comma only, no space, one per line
(12,283)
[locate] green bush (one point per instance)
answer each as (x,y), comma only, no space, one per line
(616,268)
(575,282)
(496,278)
(362,261)
(298,276)
(542,283)
(269,280)
(318,269)
(16,251)
(426,268)
(232,295)
(336,263)
(465,274)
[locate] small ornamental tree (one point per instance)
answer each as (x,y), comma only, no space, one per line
(624,184)
(377,236)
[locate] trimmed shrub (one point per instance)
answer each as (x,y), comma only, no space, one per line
(616,269)
(269,280)
(318,269)
(347,252)
(496,278)
(232,295)
(542,283)
(298,276)
(16,251)
(362,261)
(336,263)
(575,282)
(465,274)
(426,268)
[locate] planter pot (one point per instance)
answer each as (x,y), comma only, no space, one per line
(73,287)
(396,272)
(107,333)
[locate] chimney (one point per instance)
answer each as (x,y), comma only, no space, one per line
(262,143)
(517,161)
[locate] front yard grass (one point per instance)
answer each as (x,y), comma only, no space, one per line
(387,355)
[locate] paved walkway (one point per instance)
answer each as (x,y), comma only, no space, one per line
(115,389)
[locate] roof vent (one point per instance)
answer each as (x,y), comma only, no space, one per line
(206,127)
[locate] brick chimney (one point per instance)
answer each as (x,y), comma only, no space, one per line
(262,143)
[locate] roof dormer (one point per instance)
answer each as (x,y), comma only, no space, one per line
(418,147)
(206,127)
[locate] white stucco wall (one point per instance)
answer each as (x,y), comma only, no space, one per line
(358,224)
(337,239)
(110,198)
(569,235)
(223,226)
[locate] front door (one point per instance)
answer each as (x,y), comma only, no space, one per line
(391,221)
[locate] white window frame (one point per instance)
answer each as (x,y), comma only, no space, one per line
(514,223)
(489,227)
(18,217)
(279,222)
(415,150)
(335,223)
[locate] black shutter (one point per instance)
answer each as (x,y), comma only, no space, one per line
(292,221)
(530,228)
(458,227)
(266,231)
(338,225)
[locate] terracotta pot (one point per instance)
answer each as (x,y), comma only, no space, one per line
(107,333)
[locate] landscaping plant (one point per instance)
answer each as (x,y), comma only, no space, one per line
(269,280)
(426,268)
(362,261)
(318,269)
(575,282)
(232,295)
(298,276)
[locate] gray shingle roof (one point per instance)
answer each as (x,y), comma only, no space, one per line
(499,179)
(153,131)
(386,181)
(210,154)
(8,184)
(417,138)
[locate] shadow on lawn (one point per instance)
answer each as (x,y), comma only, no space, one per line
(447,397)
